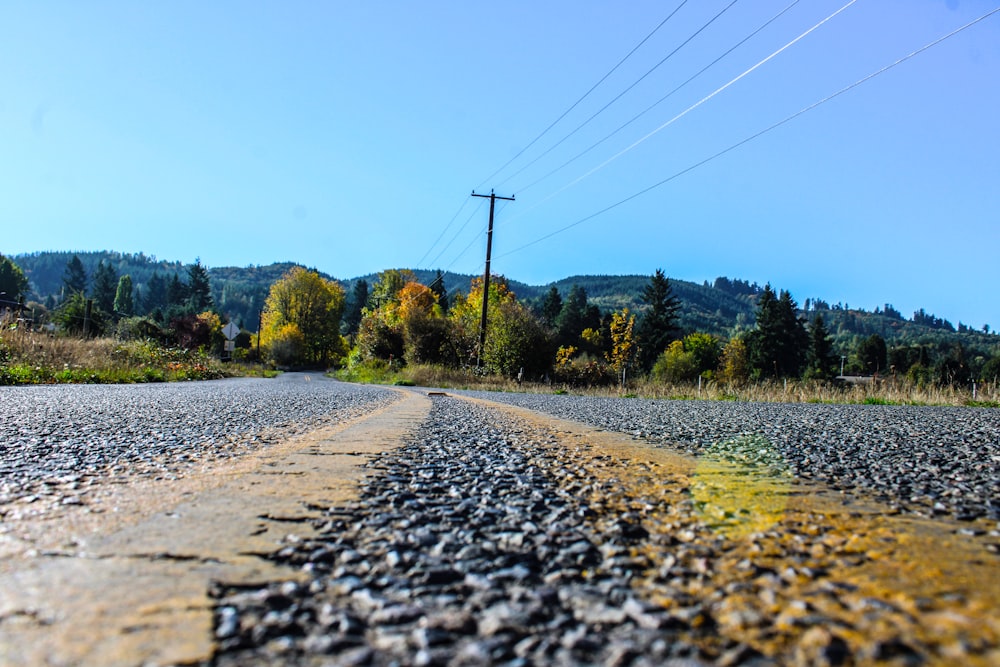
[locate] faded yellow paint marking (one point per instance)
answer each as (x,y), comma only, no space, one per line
(135,590)
(765,554)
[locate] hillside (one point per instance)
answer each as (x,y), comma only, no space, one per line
(724,308)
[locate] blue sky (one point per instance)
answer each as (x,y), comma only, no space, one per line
(348,135)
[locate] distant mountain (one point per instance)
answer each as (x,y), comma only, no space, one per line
(724,308)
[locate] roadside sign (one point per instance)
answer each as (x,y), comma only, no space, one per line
(231,331)
(229,346)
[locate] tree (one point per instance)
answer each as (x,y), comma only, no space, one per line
(105,284)
(821,361)
(734,363)
(675,364)
(355,308)
(623,344)
(551,307)
(13,283)
(303,301)
(872,354)
(437,286)
(155,294)
(779,344)
(177,292)
(74,278)
(199,291)
(76,317)
(575,316)
(704,349)
(124,304)
(659,323)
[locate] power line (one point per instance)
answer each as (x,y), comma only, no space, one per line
(697,104)
(758,134)
(457,234)
(584,96)
(623,93)
(465,200)
(662,99)
(688,110)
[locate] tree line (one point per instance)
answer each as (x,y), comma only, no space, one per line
(560,334)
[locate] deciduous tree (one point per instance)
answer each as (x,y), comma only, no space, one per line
(313,306)
(13,283)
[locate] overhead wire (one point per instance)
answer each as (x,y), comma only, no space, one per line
(686,111)
(582,97)
(758,134)
(459,232)
(661,100)
(624,92)
(465,201)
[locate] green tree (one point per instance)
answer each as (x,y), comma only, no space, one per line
(779,343)
(575,316)
(155,294)
(74,278)
(75,317)
(13,283)
(355,308)
(199,291)
(304,309)
(821,361)
(124,304)
(177,293)
(872,354)
(104,286)
(659,323)
(675,364)
(704,348)
(439,289)
(551,307)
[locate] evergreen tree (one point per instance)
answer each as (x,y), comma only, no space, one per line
(355,308)
(821,361)
(156,294)
(779,344)
(572,318)
(124,303)
(199,290)
(441,291)
(13,283)
(872,354)
(659,324)
(105,286)
(551,307)
(74,278)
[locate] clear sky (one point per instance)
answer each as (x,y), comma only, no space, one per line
(348,135)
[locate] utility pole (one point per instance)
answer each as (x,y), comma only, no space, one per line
(486,275)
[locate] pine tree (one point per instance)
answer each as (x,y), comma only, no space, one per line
(659,324)
(74,278)
(551,307)
(441,291)
(155,294)
(13,283)
(199,290)
(572,318)
(105,286)
(779,344)
(355,308)
(821,362)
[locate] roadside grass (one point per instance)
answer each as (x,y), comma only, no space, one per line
(806,391)
(31,357)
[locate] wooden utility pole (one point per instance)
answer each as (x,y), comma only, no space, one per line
(486,275)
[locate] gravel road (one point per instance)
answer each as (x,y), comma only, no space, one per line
(929,460)
(55,440)
(489,539)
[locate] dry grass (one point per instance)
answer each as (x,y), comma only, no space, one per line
(885,393)
(37,357)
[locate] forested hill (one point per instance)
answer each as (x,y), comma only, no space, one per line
(724,308)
